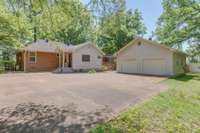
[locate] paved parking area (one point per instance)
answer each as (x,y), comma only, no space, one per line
(47,102)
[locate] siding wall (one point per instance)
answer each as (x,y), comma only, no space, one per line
(146,51)
(95,62)
(44,62)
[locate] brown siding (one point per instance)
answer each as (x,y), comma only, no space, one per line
(44,62)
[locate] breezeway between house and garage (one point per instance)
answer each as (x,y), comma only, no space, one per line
(87,92)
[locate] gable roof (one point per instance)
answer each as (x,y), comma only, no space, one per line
(150,42)
(50,46)
(42,46)
(77,47)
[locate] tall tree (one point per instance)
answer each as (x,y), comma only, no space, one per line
(71,22)
(30,9)
(114,25)
(194,52)
(62,20)
(68,21)
(179,22)
(118,29)
(13,28)
(101,8)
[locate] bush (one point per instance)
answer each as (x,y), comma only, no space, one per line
(92,71)
(10,62)
(104,68)
(7,64)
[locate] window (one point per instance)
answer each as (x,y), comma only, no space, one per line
(32,57)
(86,58)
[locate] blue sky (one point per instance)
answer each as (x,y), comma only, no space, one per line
(150,9)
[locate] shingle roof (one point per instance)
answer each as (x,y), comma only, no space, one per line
(151,42)
(41,45)
(50,46)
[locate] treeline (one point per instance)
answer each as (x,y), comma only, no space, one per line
(106,22)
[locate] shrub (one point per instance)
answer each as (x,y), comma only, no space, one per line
(104,68)
(92,71)
(7,64)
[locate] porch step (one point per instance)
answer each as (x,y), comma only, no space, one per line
(64,70)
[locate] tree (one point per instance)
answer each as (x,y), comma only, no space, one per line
(13,28)
(194,52)
(67,21)
(179,22)
(61,20)
(101,8)
(114,25)
(118,29)
(106,22)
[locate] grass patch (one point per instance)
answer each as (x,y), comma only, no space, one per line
(174,111)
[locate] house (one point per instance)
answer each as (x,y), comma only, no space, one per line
(44,55)
(143,56)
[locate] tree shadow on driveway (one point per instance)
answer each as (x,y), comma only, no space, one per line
(37,118)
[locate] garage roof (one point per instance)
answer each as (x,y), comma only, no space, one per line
(151,42)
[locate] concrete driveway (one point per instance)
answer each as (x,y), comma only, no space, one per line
(46,102)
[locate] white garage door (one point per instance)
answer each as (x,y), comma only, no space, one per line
(129,66)
(154,66)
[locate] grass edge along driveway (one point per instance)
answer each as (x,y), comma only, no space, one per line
(176,110)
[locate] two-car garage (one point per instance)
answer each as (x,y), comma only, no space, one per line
(147,57)
(146,66)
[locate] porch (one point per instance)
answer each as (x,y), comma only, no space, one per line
(65,62)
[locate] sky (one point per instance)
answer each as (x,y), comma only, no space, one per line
(150,9)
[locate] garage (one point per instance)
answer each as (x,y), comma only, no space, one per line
(154,66)
(142,56)
(129,66)
(146,66)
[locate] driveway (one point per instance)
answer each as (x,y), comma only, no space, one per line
(46,102)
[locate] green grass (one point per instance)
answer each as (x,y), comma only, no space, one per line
(175,111)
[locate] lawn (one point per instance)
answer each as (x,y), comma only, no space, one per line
(174,111)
